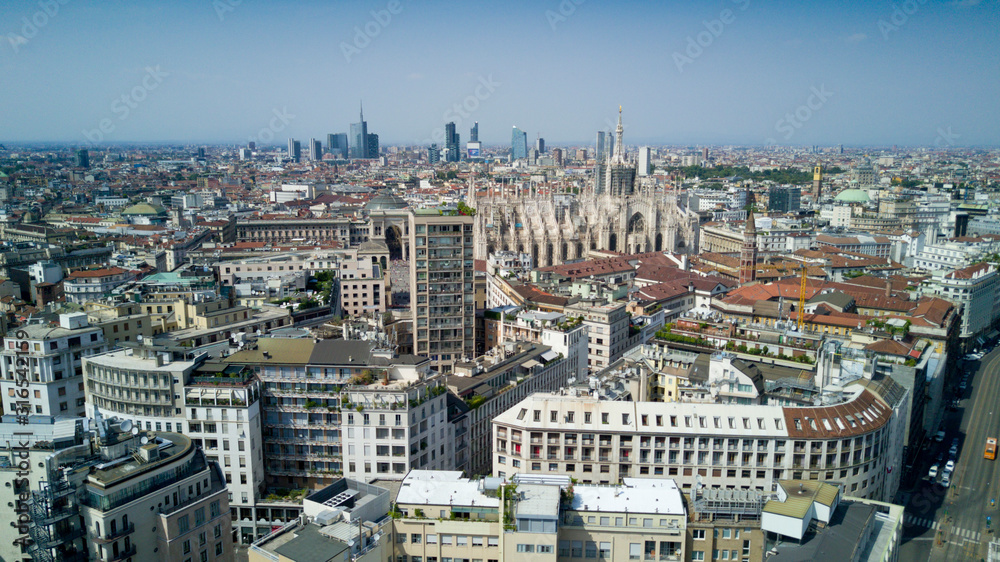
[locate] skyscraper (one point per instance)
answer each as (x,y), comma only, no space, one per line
(645,155)
(474,132)
(540,145)
(315,150)
(294,150)
(518,144)
(201,152)
(433,154)
(372,145)
(82,158)
(557,156)
(441,279)
(451,143)
(599,153)
(359,138)
(337,145)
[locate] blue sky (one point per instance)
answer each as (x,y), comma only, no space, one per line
(790,73)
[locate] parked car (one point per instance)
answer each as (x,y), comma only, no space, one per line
(939,437)
(933,472)
(946,480)
(949,467)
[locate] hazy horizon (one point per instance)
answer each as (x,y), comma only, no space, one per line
(731,72)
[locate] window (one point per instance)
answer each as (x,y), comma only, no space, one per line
(183,524)
(605,417)
(415,538)
(493,541)
(590,549)
(432,539)
(187,546)
(544,548)
(461,540)
(698,555)
(698,535)
(634,551)
(525,548)
(218,548)
(586,417)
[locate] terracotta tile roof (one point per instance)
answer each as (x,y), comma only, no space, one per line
(96,273)
(969,272)
(859,416)
(889,347)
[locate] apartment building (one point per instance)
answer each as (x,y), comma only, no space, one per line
(363,288)
(291,230)
(878,246)
(49,358)
(975,289)
(562,333)
(346,407)
(122,321)
(347,520)
(87,285)
(493,383)
(442,293)
(442,516)
(216,405)
(856,442)
(109,492)
(260,268)
(609,332)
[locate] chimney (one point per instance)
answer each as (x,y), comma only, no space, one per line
(888,288)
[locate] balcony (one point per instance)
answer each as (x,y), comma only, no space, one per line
(113,536)
(122,555)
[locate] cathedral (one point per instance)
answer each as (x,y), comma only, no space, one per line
(612,214)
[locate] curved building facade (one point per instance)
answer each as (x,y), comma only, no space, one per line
(855,443)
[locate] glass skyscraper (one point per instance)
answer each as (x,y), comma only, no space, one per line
(519,144)
(359,138)
(451,143)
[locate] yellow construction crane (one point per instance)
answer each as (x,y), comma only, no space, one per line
(802,299)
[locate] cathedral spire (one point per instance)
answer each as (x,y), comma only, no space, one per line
(619,145)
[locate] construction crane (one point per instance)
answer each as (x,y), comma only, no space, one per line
(802,299)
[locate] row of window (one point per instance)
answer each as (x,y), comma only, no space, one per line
(448,540)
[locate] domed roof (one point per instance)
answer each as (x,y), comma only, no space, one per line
(386,201)
(852,196)
(144,209)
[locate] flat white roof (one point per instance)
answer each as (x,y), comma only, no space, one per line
(637,495)
(429,487)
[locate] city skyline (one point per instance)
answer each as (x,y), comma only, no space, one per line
(735,72)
